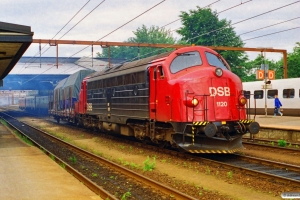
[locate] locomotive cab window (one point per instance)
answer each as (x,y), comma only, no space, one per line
(215,61)
(161,72)
(185,60)
(258,94)
(288,93)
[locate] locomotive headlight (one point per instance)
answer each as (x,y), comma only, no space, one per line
(195,102)
(219,72)
(242,101)
(191,102)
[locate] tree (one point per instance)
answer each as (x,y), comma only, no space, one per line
(251,66)
(293,63)
(203,27)
(153,35)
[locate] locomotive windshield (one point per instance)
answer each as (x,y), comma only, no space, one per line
(185,60)
(216,61)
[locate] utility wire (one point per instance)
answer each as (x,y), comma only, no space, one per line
(179,18)
(76,24)
(197,36)
(269,26)
(273,33)
(113,30)
(232,24)
(72,19)
(59,32)
(234,6)
(120,26)
(245,20)
(82,19)
(226,9)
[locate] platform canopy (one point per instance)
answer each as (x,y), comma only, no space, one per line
(14,41)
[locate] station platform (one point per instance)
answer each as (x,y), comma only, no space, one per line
(280,122)
(27,173)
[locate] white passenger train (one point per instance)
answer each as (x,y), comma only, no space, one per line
(288,91)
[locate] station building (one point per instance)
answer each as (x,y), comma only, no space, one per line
(40,75)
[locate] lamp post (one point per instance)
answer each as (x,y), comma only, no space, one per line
(266,69)
(266,75)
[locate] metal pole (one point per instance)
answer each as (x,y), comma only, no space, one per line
(40,55)
(109,56)
(92,56)
(266,75)
(285,75)
(56,56)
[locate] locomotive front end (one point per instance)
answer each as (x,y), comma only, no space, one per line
(213,113)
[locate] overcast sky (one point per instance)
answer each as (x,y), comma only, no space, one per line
(47,17)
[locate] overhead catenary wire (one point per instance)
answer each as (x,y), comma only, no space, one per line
(235,24)
(199,35)
(59,32)
(272,33)
(202,8)
(269,26)
(112,31)
(234,6)
(254,17)
(120,26)
(70,21)
(82,19)
(73,18)
(71,27)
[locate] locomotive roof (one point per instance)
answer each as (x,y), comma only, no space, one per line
(128,67)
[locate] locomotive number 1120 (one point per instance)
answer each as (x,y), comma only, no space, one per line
(221,103)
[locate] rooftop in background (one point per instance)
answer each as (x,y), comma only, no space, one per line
(42,73)
(14,41)
(66,65)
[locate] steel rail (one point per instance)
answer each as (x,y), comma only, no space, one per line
(154,184)
(285,166)
(282,179)
(267,140)
(292,149)
(243,169)
(95,188)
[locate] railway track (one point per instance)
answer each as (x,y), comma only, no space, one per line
(272,144)
(272,170)
(104,177)
(275,172)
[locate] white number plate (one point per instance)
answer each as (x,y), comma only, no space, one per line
(222,104)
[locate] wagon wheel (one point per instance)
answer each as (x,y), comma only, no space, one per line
(162,144)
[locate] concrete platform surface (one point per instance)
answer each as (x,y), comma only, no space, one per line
(27,173)
(280,122)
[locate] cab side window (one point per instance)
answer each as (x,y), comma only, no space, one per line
(161,72)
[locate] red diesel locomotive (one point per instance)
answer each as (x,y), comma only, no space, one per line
(188,98)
